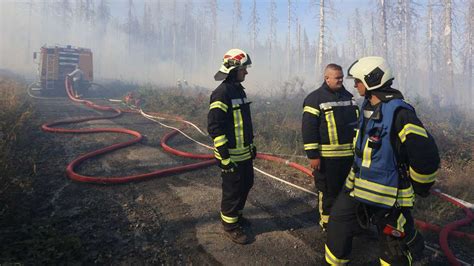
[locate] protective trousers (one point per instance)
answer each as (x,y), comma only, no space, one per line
(395,228)
(235,189)
(329,180)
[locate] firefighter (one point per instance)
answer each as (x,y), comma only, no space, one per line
(395,158)
(77,78)
(329,120)
(230,126)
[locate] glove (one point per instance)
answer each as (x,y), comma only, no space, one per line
(422,190)
(253,151)
(320,180)
(231,167)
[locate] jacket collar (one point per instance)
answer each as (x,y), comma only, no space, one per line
(385,94)
(326,87)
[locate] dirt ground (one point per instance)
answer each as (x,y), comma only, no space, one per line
(165,220)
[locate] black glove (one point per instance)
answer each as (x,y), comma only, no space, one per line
(253,151)
(320,181)
(422,190)
(228,168)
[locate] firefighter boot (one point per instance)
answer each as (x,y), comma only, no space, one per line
(237,235)
(244,221)
(416,245)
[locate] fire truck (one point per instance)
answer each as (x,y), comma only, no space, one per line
(56,62)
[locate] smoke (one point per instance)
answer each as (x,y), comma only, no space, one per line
(172,48)
(162,42)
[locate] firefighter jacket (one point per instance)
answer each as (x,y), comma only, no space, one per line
(230,123)
(394,156)
(329,122)
(77,75)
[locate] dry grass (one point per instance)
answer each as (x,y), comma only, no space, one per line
(15,117)
(453,131)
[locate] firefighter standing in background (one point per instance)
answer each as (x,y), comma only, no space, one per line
(230,126)
(77,79)
(395,157)
(329,120)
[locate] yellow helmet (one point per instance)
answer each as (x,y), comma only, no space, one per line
(234,58)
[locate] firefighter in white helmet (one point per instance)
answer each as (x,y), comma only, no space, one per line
(395,158)
(230,126)
(77,80)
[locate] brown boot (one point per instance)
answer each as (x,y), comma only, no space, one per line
(237,235)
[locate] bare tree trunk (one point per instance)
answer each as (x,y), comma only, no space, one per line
(146,27)
(195,49)
(254,25)
(351,43)
(298,45)
(358,35)
(432,91)
(383,16)
(236,18)
(185,60)
(213,7)
(372,49)
(405,44)
(448,50)
(129,25)
(174,39)
(89,12)
(288,48)
(320,53)
(159,28)
(469,60)
(305,50)
(45,14)
(28,43)
(272,33)
(398,47)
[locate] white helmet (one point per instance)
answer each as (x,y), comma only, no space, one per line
(232,59)
(373,71)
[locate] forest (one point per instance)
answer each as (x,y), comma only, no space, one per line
(428,43)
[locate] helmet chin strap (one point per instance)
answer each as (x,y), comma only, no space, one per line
(367,94)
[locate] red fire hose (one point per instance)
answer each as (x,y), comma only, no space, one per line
(448,230)
(70,170)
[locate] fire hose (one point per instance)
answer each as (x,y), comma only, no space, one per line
(420,224)
(208,159)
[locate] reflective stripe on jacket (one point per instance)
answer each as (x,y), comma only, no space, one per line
(375,178)
(230,122)
(329,120)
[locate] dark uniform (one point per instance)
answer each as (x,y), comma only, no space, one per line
(230,126)
(329,122)
(395,157)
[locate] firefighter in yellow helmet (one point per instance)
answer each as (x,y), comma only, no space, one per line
(395,158)
(230,126)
